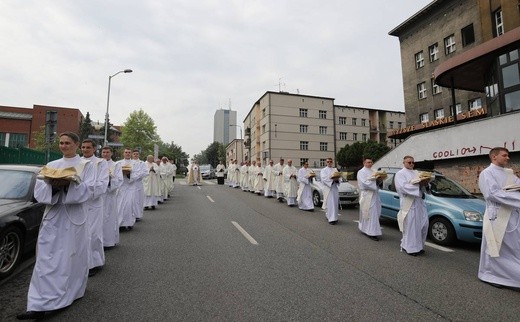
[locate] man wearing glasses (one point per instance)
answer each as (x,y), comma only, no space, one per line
(412,216)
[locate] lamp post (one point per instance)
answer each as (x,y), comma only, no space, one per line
(108,102)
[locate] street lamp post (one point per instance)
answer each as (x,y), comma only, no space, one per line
(108,102)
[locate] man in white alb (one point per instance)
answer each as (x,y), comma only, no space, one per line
(369,201)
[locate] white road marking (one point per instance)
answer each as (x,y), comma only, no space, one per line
(442,248)
(246,235)
(198,187)
(210,199)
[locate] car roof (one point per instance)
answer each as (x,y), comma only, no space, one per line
(395,169)
(21,167)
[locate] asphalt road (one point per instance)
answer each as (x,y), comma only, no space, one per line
(213,253)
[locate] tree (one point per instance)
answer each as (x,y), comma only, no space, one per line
(86,128)
(173,152)
(351,156)
(40,143)
(140,131)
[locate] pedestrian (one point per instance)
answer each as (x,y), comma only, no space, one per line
(140,171)
(220,169)
(259,179)
(151,183)
(111,211)
(95,207)
(412,217)
(194,174)
(166,174)
(269,178)
(244,176)
(369,200)
(290,177)
(127,201)
(278,181)
(330,177)
(305,177)
(60,272)
(500,250)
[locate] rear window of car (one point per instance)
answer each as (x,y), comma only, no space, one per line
(15,184)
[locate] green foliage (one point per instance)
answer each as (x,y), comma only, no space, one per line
(140,131)
(214,153)
(351,156)
(40,143)
(86,128)
(173,152)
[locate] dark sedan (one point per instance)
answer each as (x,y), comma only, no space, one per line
(20,215)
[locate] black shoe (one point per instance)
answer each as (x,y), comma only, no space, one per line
(333,222)
(153,207)
(374,238)
(31,315)
(137,219)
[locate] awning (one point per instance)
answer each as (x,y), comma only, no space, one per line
(468,69)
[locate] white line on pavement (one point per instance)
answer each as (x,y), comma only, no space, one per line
(210,199)
(246,235)
(444,249)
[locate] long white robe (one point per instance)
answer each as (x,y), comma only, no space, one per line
(140,171)
(278,180)
(290,175)
(416,221)
(194,175)
(369,193)
(111,213)
(330,194)
(504,269)
(231,175)
(127,196)
(151,184)
(304,190)
(259,180)
(166,174)
(244,177)
(269,177)
(61,270)
(95,208)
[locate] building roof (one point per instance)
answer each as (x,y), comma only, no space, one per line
(16,116)
(468,69)
(418,17)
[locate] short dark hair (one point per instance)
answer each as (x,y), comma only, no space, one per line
(496,150)
(107,148)
(89,141)
(71,135)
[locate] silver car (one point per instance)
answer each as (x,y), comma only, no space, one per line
(348,194)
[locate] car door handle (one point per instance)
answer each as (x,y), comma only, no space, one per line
(396,197)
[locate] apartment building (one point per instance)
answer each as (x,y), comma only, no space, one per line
(308,128)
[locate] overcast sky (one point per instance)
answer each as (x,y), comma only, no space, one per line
(191,58)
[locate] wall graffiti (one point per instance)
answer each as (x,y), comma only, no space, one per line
(469,151)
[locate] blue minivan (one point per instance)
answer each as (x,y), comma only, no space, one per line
(455,214)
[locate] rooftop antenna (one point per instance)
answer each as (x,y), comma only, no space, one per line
(229,104)
(280,84)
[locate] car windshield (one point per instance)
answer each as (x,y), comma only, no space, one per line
(444,187)
(205,167)
(15,184)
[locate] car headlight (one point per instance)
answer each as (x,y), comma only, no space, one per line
(356,191)
(472,215)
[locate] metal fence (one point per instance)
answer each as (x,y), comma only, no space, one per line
(25,156)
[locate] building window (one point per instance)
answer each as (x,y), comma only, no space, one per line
(438,113)
(423,118)
(304,145)
(421,90)
(303,112)
(449,44)
(303,128)
(323,162)
(498,23)
(458,109)
(323,114)
(512,101)
(263,112)
(2,139)
(263,129)
(342,120)
(364,137)
(303,161)
(354,121)
(399,125)
(354,136)
(323,146)
(468,35)
(343,136)
(323,130)
(17,140)
(363,122)
(474,104)
(419,60)
(391,124)
(434,52)
(436,89)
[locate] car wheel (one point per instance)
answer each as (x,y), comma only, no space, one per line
(11,242)
(441,231)
(316,199)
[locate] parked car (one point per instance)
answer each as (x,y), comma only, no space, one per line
(20,215)
(348,194)
(454,213)
(207,171)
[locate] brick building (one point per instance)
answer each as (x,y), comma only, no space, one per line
(20,126)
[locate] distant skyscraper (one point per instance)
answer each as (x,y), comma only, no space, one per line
(222,131)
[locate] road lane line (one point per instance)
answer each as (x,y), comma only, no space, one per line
(246,235)
(210,199)
(199,187)
(444,249)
